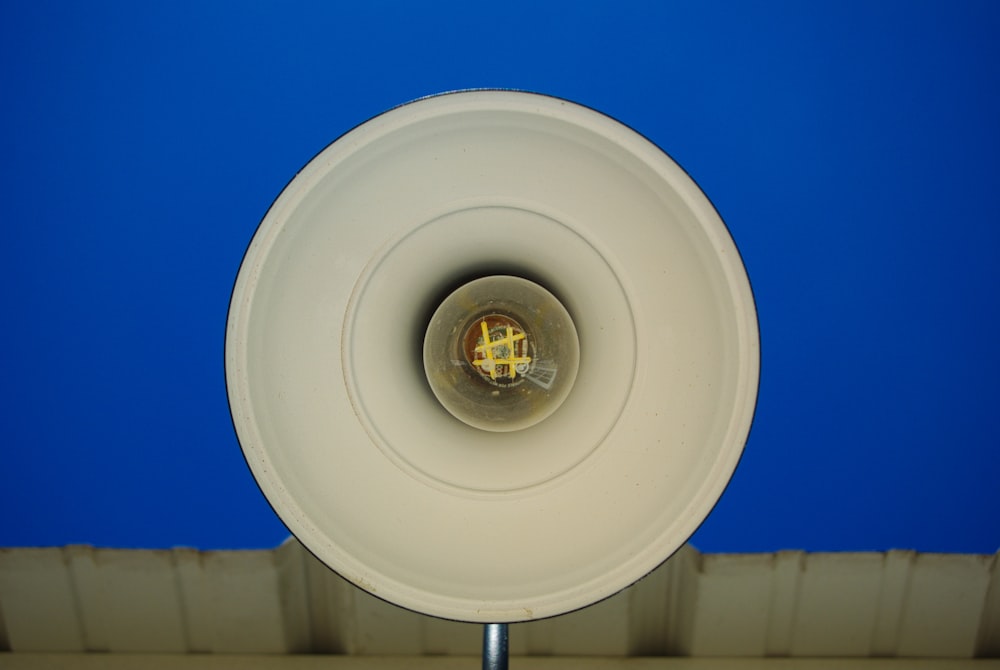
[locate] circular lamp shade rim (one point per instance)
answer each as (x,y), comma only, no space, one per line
(345,438)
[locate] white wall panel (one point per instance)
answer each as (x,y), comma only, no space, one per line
(283,601)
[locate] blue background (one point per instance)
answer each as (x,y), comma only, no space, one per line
(852,148)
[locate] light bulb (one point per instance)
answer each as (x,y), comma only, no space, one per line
(501,353)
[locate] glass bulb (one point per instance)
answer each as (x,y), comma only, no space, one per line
(501,353)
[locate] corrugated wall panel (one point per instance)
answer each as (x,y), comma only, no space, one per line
(284,601)
(945,604)
(895,583)
(988,640)
(837,605)
(136,601)
(730,608)
(39,606)
(244,603)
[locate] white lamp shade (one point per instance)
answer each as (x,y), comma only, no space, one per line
(326,378)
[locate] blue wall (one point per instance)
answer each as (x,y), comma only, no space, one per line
(851,147)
